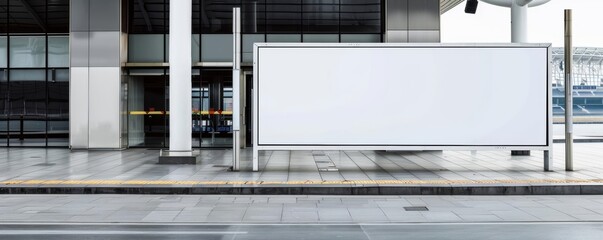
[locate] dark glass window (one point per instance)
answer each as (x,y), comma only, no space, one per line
(196,16)
(57,16)
(263,16)
(34,98)
(360,16)
(148,16)
(3,107)
(321,16)
(216,15)
(58,107)
(155,92)
(253,16)
(35,16)
(3,17)
(27,103)
(283,16)
(27,16)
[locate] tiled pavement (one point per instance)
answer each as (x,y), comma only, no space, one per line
(297,209)
(284,166)
(59,168)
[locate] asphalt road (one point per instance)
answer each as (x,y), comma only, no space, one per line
(465,231)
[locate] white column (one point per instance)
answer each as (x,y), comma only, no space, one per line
(180,75)
(519,22)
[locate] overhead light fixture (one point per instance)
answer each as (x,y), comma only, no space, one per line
(471,6)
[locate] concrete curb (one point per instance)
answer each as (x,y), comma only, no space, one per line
(549,189)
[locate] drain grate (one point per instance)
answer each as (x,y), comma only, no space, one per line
(318,154)
(322,161)
(170,199)
(416,208)
(44,164)
(328,169)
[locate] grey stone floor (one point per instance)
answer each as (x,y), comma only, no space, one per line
(297,209)
(283,166)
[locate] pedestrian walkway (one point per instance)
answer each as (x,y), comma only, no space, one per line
(26,170)
(297,209)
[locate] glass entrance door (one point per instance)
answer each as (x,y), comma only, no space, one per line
(148,107)
(147,120)
(212,122)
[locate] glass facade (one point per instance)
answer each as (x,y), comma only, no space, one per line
(262,20)
(148,107)
(34,73)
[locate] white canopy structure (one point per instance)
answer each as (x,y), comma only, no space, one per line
(519,16)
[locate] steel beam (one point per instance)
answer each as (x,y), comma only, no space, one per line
(145,15)
(34,15)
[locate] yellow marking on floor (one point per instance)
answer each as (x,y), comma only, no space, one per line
(300,182)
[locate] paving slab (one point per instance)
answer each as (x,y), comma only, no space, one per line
(135,171)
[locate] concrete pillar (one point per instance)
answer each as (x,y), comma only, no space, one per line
(180,75)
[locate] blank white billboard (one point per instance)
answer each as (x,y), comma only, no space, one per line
(401,95)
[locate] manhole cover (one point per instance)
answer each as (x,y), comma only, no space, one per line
(416,208)
(44,164)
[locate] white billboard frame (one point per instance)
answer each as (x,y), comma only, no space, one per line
(547,148)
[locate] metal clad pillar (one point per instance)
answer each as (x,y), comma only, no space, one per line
(412,21)
(236,88)
(569,103)
(396,21)
(180,75)
(95,91)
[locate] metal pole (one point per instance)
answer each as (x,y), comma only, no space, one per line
(236,88)
(569,138)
